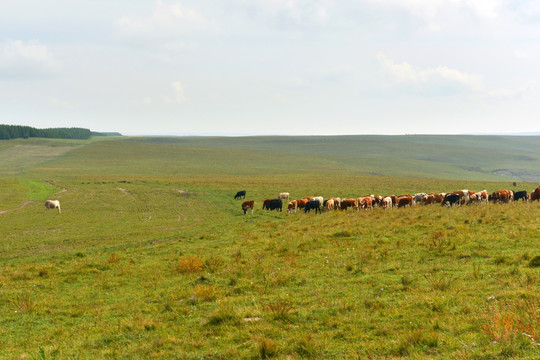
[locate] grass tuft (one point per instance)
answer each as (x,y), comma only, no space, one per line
(23,303)
(189,265)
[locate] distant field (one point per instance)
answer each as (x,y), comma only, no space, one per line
(151,257)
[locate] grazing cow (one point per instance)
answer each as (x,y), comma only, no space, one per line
(240,194)
(248,205)
(387,203)
(313,204)
(347,203)
(419,197)
(365,202)
(292,206)
(535,195)
(53,204)
(265,203)
(474,198)
(283,196)
(428,199)
(501,196)
(329,204)
(275,204)
(301,203)
(394,199)
(405,200)
(520,195)
(335,201)
(451,199)
(376,200)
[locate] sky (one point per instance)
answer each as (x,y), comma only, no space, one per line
(272,67)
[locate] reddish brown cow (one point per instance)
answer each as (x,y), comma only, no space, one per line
(428,199)
(265,203)
(292,206)
(405,200)
(502,196)
(347,203)
(365,202)
(301,203)
(535,195)
(248,205)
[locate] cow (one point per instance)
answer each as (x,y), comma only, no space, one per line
(405,200)
(387,203)
(265,203)
(313,204)
(535,195)
(419,197)
(337,203)
(301,203)
(428,199)
(394,200)
(292,206)
(53,204)
(451,199)
(347,203)
(376,200)
(501,196)
(365,202)
(283,196)
(275,204)
(329,204)
(248,205)
(520,195)
(240,194)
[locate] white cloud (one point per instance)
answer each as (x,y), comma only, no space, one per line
(55,102)
(178,91)
(20,59)
(166,21)
(443,75)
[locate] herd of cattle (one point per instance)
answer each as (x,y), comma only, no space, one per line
(456,198)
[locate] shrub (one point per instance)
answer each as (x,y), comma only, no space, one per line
(23,303)
(206,293)
(280,309)
(266,348)
(189,265)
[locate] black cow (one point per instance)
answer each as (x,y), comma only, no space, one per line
(450,200)
(520,195)
(240,194)
(313,204)
(275,204)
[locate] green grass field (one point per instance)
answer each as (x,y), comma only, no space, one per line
(152,257)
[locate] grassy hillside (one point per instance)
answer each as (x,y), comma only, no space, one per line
(151,258)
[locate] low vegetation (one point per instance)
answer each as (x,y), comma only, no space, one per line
(151,259)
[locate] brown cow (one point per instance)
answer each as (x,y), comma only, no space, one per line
(535,195)
(501,196)
(248,205)
(429,199)
(265,203)
(292,206)
(330,204)
(347,203)
(301,203)
(365,202)
(405,200)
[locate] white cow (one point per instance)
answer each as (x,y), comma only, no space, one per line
(53,204)
(387,203)
(283,196)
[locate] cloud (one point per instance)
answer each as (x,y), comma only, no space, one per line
(442,76)
(166,22)
(32,59)
(57,103)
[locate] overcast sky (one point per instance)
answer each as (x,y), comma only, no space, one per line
(281,67)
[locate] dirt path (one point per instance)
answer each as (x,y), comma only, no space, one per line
(26,203)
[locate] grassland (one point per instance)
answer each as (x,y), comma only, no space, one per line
(152,258)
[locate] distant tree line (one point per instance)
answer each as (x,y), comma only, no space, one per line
(18,131)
